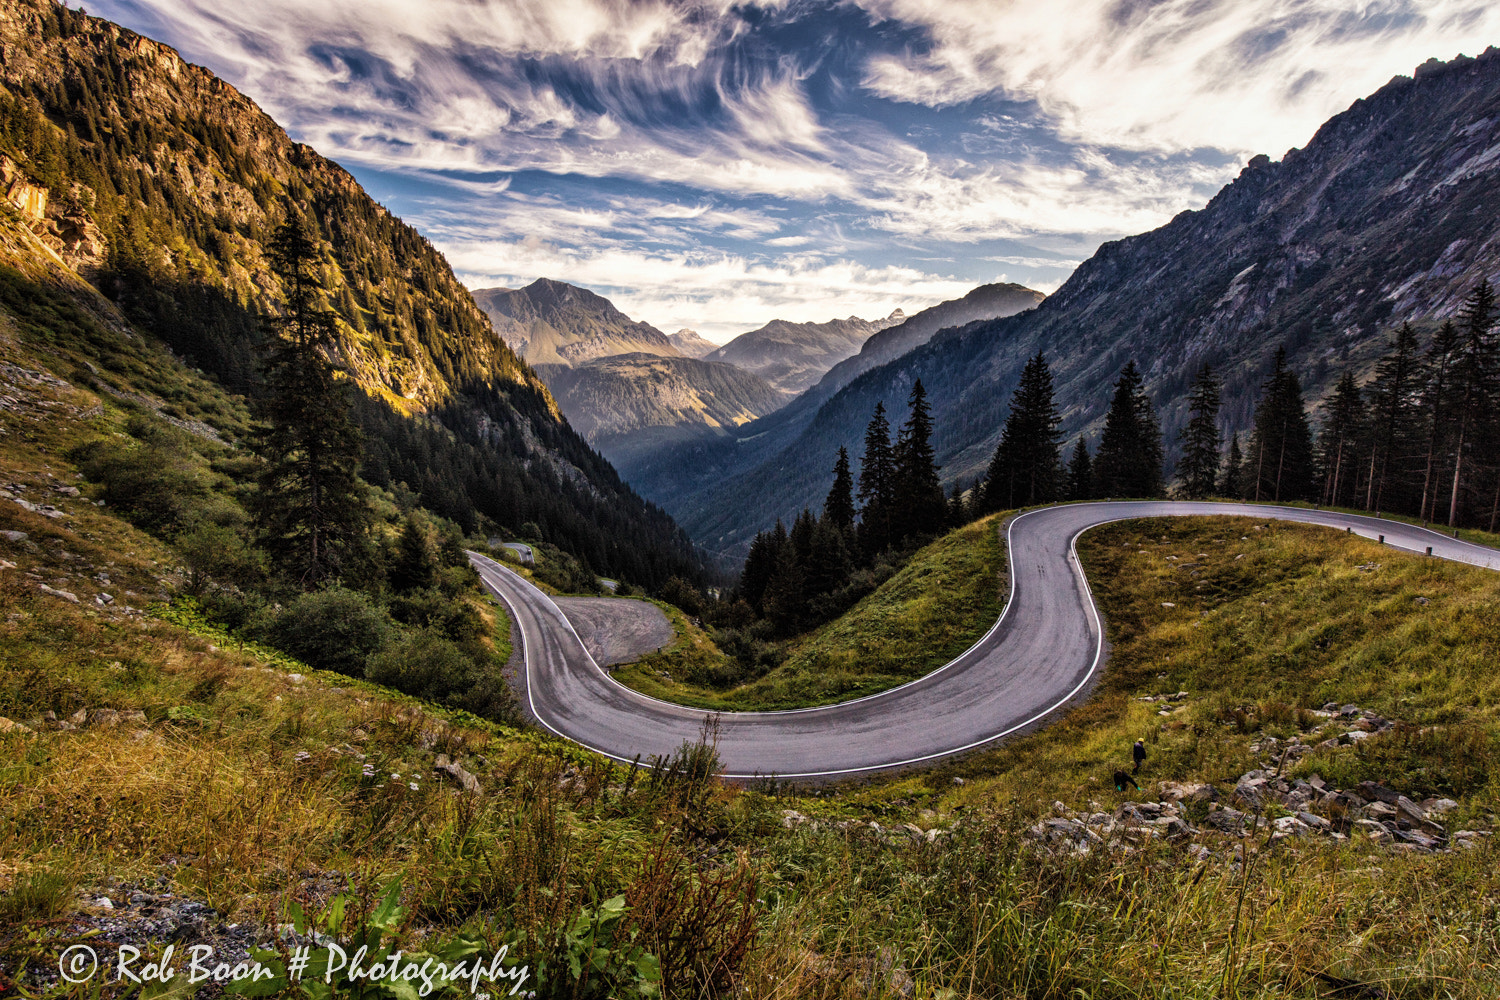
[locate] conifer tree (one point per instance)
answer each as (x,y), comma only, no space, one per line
(877,481)
(1080,473)
(828,567)
(1129,460)
(416,563)
(1393,399)
(1475,377)
(1437,403)
(310,505)
(838,508)
(1199,466)
(1026,468)
(760,566)
(959,513)
(920,506)
(1338,441)
(1233,483)
(1281,452)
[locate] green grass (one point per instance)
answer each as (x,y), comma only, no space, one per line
(1478,537)
(935,607)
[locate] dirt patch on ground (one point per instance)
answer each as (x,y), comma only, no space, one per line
(616,629)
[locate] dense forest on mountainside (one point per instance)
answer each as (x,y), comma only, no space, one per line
(160,184)
(1390,214)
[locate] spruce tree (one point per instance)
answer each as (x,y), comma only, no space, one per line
(877,482)
(311,505)
(921,509)
(1232,485)
(1281,456)
(1080,473)
(1437,403)
(1129,460)
(1026,468)
(760,566)
(828,567)
(838,508)
(1338,441)
(1475,378)
(416,563)
(1393,404)
(1199,466)
(959,513)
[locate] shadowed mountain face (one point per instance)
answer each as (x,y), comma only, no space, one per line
(1391,213)
(690,345)
(793,356)
(985,302)
(633,403)
(553,323)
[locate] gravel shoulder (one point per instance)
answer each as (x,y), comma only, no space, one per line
(617,630)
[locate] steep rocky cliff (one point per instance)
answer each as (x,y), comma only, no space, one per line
(160,185)
(1391,213)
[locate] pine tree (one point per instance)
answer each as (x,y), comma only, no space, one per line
(838,509)
(1233,483)
(959,513)
(828,568)
(1129,460)
(1199,467)
(760,566)
(1338,441)
(1080,473)
(1281,455)
(1437,403)
(310,505)
(1393,403)
(1475,377)
(1026,468)
(416,563)
(920,506)
(877,482)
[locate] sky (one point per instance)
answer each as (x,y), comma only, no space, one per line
(715,165)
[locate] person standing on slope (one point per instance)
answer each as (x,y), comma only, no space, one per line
(1139,753)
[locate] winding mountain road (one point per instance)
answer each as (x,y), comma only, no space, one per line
(1043,653)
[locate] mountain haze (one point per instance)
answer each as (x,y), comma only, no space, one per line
(1391,213)
(792,356)
(554,323)
(689,344)
(634,403)
(161,185)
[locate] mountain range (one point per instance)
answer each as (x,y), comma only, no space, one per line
(793,356)
(159,185)
(1390,213)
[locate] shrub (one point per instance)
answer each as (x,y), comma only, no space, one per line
(333,629)
(425,665)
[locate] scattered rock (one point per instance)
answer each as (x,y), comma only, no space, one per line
(65,595)
(466,781)
(13,536)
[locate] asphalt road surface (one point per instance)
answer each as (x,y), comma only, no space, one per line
(617,629)
(1042,654)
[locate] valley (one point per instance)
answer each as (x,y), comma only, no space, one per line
(1109,615)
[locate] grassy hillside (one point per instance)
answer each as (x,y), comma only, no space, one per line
(936,606)
(244,787)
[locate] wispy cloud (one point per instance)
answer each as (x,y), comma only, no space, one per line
(1173,74)
(717,163)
